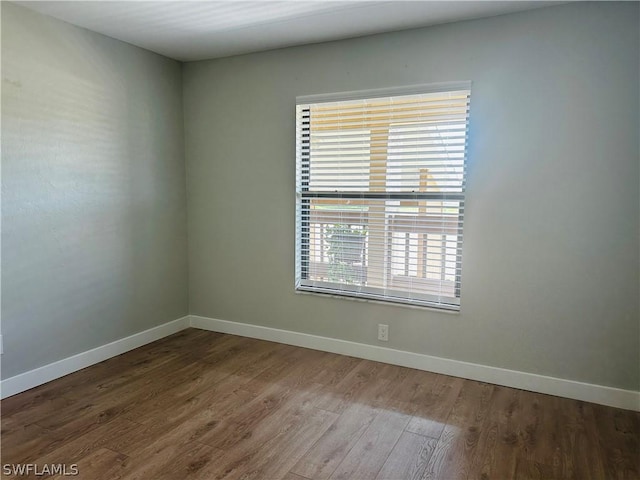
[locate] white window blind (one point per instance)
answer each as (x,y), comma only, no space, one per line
(380,195)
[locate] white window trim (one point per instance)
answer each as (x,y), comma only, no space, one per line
(384,92)
(371,294)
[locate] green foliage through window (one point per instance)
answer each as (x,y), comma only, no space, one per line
(345,249)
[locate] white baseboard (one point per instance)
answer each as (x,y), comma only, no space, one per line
(38,376)
(587,392)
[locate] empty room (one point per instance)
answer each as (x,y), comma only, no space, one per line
(310,240)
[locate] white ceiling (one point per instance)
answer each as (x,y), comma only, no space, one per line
(196,30)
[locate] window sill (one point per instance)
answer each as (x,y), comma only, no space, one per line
(301,291)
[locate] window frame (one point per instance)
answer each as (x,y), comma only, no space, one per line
(304,197)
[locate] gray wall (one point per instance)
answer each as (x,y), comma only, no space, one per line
(93,190)
(551,251)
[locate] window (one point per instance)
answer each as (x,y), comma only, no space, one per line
(380,179)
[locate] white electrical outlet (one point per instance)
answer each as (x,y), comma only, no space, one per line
(383,332)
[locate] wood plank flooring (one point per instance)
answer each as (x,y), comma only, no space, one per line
(202,405)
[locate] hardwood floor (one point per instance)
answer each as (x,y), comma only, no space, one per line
(204,405)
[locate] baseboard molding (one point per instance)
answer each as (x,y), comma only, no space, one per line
(46,373)
(587,392)
(615,397)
